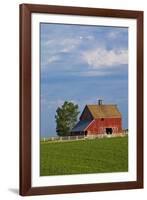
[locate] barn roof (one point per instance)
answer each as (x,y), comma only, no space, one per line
(81,125)
(104,111)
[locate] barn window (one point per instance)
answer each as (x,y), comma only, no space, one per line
(102,119)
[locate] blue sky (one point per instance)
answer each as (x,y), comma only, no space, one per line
(81,64)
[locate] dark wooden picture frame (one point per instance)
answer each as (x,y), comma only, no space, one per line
(25,99)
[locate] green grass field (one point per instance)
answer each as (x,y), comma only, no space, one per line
(85,156)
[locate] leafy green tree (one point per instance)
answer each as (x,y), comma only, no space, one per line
(66,118)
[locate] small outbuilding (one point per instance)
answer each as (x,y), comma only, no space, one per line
(99,119)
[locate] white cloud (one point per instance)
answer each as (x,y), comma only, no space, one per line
(89,37)
(113,34)
(48,42)
(54,47)
(91,73)
(101,57)
(52,59)
(63,45)
(69,43)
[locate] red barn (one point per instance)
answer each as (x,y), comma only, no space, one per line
(99,119)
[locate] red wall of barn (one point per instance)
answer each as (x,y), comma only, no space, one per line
(98,126)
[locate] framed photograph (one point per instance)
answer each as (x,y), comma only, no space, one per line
(81,99)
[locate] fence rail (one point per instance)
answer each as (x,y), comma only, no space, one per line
(82,137)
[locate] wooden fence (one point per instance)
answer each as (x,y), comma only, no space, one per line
(82,137)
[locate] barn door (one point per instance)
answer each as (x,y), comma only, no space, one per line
(109,131)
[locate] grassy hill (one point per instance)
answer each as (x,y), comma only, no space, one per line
(81,157)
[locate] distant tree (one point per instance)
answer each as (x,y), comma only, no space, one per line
(66,118)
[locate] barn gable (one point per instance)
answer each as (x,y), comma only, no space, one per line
(86,114)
